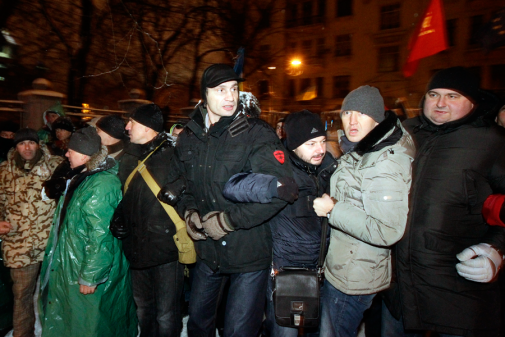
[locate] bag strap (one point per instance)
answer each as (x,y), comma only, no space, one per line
(155,188)
(322,251)
(130,177)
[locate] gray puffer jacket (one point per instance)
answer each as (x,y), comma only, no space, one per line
(371,184)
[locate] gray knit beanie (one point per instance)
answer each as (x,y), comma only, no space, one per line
(85,141)
(367,100)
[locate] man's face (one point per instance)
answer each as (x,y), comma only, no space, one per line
(51,117)
(27,149)
(222,101)
(500,119)
(7,134)
(357,125)
(312,151)
(136,131)
(62,134)
(76,159)
(279,130)
(106,139)
(445,105)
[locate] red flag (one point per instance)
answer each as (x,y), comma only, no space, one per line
(429,38)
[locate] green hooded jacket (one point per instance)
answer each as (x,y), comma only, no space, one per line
(81,250)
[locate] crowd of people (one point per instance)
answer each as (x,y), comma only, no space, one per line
(415,209)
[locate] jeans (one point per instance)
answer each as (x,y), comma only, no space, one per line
(244,307)
(341,314)
(158,292)
(274,329)
(391,327)
(23,287)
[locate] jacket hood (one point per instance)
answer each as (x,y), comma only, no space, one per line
(99,161)
(57,109)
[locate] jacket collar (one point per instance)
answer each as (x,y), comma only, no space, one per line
(197,122)
(386,133)
(141,150)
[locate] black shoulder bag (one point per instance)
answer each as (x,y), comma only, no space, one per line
(296,291)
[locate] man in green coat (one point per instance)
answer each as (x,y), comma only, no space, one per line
(85,283)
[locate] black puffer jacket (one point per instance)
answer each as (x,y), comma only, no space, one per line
(150,242)
(457,165)
(296,231)
(208,160)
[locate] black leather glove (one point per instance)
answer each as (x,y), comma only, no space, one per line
(287,189)
(118,226)
(171,192)
(54,188)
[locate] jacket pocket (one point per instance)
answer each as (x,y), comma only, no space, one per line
(476,189)
(188,156)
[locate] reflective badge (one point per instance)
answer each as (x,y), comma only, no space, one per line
(279,155)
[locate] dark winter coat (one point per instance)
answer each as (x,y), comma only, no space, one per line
(150,242)
(208,160)
(296,230)
(457,165)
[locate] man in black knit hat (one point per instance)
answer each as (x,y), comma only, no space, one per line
(449,257)
(146,228)
(111,130)
(233,241)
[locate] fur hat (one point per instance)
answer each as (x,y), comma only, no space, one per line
(112,125)
(215,75)
(64,124)
(367,100)
(25,134)
(85,141)
(302,126)
(148,115)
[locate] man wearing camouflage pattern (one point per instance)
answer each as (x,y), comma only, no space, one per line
(25,220)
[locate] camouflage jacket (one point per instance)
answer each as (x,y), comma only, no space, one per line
(21,204)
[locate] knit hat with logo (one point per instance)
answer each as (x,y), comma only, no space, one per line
(302,126)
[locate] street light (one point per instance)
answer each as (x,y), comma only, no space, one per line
(294,67)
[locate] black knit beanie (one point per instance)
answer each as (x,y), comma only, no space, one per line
(9,126)
(302,126)
(458,79)
(63,123)
(367,100)
(85,141)
(112,125)
(25,134)
(149,115)
(215,75)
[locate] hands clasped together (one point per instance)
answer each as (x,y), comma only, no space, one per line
(214,225)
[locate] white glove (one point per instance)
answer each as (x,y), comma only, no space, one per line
(479,263)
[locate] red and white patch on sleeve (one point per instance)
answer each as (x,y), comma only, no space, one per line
(279,155)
